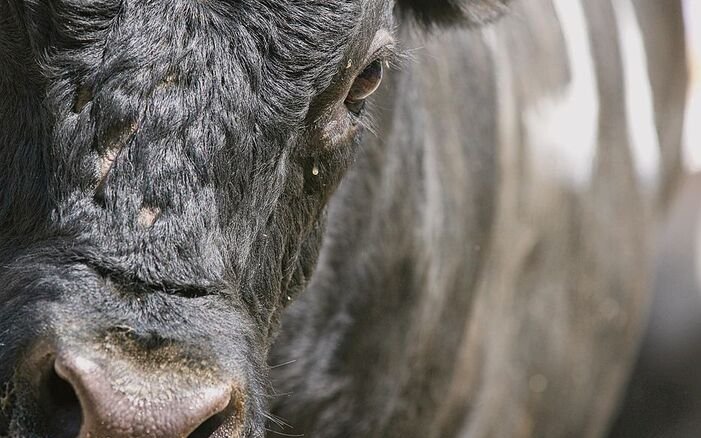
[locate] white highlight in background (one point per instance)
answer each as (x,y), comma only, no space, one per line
(640,112)
(563,128)
(692,134)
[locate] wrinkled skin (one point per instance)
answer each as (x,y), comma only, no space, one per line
(176,173)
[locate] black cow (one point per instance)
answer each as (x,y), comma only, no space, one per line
(472,242)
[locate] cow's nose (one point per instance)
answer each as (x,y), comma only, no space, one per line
(118,401)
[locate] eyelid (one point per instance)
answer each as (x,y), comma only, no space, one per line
(383,48)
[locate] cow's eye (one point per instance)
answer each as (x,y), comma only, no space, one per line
(365,84)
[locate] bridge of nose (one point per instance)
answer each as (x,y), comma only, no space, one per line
(122,399)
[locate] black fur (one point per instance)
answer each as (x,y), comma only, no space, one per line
(225,119)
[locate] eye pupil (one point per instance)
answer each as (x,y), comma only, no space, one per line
(366,83)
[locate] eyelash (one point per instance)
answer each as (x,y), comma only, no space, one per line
(389,55)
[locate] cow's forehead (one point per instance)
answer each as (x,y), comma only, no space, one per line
(286,50)
(301,41)
(193,95)
(312,20)
(314,28)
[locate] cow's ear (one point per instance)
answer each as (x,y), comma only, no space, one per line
(470,12)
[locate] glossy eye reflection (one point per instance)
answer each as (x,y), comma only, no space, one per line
(365,84)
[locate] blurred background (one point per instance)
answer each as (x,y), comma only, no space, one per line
(693,137)
(664,395)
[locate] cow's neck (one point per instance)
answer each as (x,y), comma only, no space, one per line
(385,315)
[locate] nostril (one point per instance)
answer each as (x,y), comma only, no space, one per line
(60,391)
(62,410)
(226,421)
(167,404)
(211,425)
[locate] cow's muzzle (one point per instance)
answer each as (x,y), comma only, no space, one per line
(98,393)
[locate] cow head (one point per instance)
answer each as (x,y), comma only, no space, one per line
(165,167)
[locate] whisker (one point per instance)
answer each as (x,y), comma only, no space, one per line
(283,433)
(277,420)
(279,395)
(284,364)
